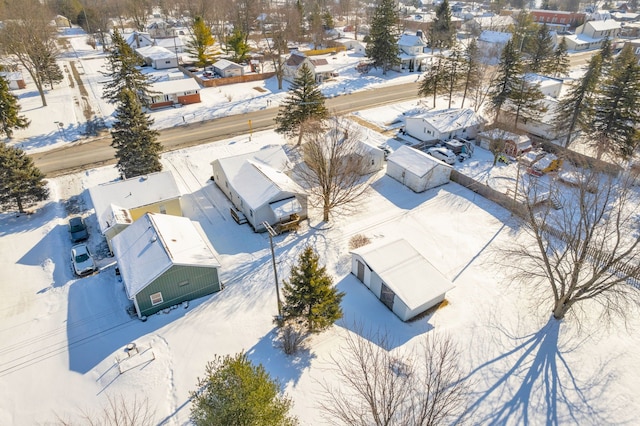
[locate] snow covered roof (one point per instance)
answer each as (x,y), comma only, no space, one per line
(405,271)
(132,193)
(115,215)
(494,21)
(500,134)
(154,243)
(11,76)
(411,40)
(155,52)
(494,36)
(608,24)
(169,43)
(449,120)
(224,64)
(175,86)
(414,161)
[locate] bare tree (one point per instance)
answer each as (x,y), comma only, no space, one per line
(582,247)
(335,165)
(138,11)
(380,387)
(29,38)
(118,411)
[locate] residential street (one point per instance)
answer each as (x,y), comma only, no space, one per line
(99,152)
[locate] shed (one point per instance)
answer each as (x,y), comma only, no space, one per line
(257,187)
(514,144)
(164,261)
(404,280)
(417,170)
(444,124)
(15,80)
(158,57)
(118,204)
(226,68)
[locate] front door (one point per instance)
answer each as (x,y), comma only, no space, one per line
(386,296)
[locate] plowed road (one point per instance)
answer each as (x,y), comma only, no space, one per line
(97,152)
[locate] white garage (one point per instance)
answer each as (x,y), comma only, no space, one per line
(417,170)
(400,277)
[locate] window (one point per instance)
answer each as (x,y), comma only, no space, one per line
(251,213)
(183,283)
(163,209)
(167,62)
(156,299)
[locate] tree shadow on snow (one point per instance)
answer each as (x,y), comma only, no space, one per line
(534,381)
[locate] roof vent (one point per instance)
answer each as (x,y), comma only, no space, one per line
(154,239)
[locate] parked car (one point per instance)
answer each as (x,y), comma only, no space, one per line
(442,154)
(78,229)
(83,263)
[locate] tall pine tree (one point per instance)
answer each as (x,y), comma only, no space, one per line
(471,70)
(305,102)
(137,149)
(508,77)
(541,51)
(383,48)
(201,42)
(617,114)
(309,294)
(525,100)
(559,64)
(442,32)
(435,79)
(123,72)
(454,71)
(21,182)
(10,117)
(576,108)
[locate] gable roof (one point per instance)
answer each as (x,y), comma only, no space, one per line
(223,64)
(411,40)
(414,161)
(132,193)
(494,36)
(156,242)
(295,59)
(607,24)
(448,120)
(405,271)
(155,52)
(174,86)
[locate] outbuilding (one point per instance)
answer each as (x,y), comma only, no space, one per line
(226,68)
(452,123)
(404,280)
(158,57)
(260,191)
(164,261)
(417,170)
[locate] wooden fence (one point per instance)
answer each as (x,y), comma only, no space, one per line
(215,82)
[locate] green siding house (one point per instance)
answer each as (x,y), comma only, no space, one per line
(165,260)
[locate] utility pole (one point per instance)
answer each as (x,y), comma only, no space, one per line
(273,233)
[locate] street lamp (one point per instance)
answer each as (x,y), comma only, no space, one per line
(273,233)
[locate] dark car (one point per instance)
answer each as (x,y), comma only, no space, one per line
(78,229)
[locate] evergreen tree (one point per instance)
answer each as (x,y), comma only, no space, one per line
(199,46)
(237,43)
(559,64)
(382,47)
(9,111)
(123,72)
(454,71)
(523,31)
(606,53)
(305,102)
(50,70)
(541,54)
(442,32)
(137,150)
(309,294)
(21,182)
(508,77)
(525,100)
(236,392)
(576,108)
(471,71)
(434,79)
(617,114)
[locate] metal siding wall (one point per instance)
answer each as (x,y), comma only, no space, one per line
(202,281)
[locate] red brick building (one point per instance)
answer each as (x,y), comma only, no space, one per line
(558,17)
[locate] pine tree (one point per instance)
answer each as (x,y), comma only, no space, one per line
(617,114)
(382,47)
(541,51)
(525,100)
(21,182)
(434,79)
(305,102)
(442,32)
(9,111)
(137,150)
(559,64)
(237,43)
(309,294)
(576,108)
(199,46)
(471,70)
(234,391)
(454,71)
(509,73)
(123,72)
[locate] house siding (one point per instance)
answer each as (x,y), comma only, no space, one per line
(202,281)
(171,207)
(189,99)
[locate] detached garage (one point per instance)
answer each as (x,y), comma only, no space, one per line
(400,277)
(417,170)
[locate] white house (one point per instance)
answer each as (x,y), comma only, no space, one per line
(412,55)
(490,45)
(549,86)
(444,124)
(158,57)
(406,282)
(355,46)
(259,189)
(417,170)
(493,23)
(137,40)
(168,93)
(592,34)
(226,68)
(173,44)
(320,67)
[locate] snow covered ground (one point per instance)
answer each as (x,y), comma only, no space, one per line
(63,339)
